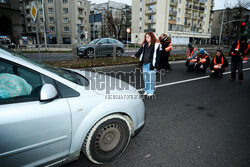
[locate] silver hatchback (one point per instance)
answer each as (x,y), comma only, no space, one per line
(48,116)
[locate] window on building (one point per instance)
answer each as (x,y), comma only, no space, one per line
(80,12)
(2,1)
(65,20)
(179,1)
(66,29)
(79,3)
(51,19)
(79,21)
(52,28)
(41,11)
(33,29)
(140,9)
(178,19)
(65,1)
(40,2)
(41,19)
(179,10)
(65,10)
(51,10)
(50,1)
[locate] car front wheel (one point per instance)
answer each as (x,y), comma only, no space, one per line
(107,139)
(119,52)
(90,53)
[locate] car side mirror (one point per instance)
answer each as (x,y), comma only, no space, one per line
(48,93)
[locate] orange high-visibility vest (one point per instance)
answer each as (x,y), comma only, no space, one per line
(203,60)
(216,66)
(191,55)
(169,47)
(248,48)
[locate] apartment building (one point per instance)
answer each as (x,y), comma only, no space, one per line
(10,23)
(64,21)
(100,26)
(184,20)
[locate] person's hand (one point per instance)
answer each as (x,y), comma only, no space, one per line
(155,69)
(133,56)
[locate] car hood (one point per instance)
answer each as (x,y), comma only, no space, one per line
(104,84)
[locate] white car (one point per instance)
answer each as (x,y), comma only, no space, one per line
(48,116)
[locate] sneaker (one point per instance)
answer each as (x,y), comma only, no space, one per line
(145,94)
(150,95)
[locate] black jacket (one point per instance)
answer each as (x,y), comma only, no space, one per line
(243,48)
(154,61)
(165,43)
(218,61)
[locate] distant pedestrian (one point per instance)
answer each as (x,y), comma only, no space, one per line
(166,48)
(149,54)
(191,58)
(218,64)
(203,61)
(238,52)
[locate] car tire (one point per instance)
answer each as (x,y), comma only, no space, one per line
(119,52)
(107,139)
(90,53)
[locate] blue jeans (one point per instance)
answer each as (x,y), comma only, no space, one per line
(149,77)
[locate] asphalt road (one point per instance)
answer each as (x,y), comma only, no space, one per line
(204,122)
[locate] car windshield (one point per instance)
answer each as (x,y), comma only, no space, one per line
(64,73)
(95,41)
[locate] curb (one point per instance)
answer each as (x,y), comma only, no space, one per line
(123,66)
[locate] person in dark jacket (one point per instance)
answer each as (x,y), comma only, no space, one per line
(238,52)
(166,48)
(218,64)
(191,58)
(203,61)
(149,54)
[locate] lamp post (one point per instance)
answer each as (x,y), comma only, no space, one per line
(128,32)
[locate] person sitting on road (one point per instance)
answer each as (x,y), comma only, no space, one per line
(191,58)
(203,61)
(218,64)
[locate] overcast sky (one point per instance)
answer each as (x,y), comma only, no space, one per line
(218,4)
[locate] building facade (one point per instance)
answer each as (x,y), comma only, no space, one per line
(184,20)
(10,23)
(59,21)
(101,26)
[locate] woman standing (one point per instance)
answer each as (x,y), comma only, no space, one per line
(149,54)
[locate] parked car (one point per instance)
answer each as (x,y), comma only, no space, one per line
(101,47)
(48,116)
(126,42)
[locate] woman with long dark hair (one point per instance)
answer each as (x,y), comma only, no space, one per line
(149,54)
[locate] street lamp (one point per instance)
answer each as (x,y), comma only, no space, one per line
(128,32)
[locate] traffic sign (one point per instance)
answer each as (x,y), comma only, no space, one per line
(33,12)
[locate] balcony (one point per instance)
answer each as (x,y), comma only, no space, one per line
(175,3)
(150,22)
(187,23)
(195,8)
(188,15)
(27,7)
(150,12)
(201,9)
(150,2)
(149,30)
(171,12)
(173,21)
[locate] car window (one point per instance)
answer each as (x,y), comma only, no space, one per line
(62,73)
(111,41)
(18,83)
(95,41)
(103,41)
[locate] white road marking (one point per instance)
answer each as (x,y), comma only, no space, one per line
(189,80)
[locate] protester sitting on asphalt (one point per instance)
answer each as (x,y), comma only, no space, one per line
(149,54)
(166,48)
(203,61)
(238,52)
(191,58)
(218,64)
